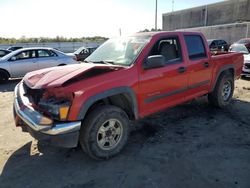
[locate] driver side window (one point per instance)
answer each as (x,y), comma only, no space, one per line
(25,55)
(22,55)
(169,48)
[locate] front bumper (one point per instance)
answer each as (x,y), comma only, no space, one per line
(63,134)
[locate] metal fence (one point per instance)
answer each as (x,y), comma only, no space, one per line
(63,46)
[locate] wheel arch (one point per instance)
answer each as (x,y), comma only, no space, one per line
(225,69)
(123,97)
(4,70)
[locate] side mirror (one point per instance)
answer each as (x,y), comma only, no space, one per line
(13,58)
(155,61)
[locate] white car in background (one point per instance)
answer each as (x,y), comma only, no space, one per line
(22,61)
(242,49)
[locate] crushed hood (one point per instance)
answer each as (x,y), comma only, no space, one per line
(57,76)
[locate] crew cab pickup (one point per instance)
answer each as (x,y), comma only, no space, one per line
(125,79)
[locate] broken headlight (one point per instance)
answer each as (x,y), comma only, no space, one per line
(57,108)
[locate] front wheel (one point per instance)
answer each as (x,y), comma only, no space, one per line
(104,132)
(4,77)
(223,91)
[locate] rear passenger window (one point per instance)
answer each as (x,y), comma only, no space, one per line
(43,53)
(195,47)
(53,54)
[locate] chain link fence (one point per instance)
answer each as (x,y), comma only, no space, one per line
(62,46)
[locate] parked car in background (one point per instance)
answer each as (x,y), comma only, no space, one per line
(217,45)
(4,52)
(83,52)
(242,49)
(14,48)
(246,42)
(22,61)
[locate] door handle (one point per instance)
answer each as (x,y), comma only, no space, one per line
(182,69)
(206,64)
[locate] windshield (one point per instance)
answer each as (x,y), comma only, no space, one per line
(9,55)
(239,48)
(119,51)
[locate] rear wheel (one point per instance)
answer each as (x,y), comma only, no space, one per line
(104,132)
(223,91)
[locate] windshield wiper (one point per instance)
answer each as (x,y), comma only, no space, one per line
(104,62)
(85,61)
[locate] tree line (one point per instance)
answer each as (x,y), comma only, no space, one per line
(24,39)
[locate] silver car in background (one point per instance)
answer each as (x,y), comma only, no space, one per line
(241,48)
(22,61)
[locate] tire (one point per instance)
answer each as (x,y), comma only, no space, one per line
(104,132)
(223,91)
(4,76)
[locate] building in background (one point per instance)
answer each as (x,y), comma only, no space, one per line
(229,20)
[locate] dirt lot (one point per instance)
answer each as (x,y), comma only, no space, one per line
(192,145)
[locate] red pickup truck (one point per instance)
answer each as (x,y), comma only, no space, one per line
(125,79)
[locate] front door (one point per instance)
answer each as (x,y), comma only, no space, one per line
(23,62)
(164,86)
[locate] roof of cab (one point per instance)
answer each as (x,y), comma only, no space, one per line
(165,33)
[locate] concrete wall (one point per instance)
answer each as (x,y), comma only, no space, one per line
(214,14)
(63,46)
(229,32)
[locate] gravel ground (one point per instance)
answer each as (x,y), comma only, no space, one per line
(192,145)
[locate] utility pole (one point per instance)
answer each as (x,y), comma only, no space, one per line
(120,31)
(205,18)
(156,15)
(172,5)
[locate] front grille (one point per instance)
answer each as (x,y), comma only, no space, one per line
(35,94)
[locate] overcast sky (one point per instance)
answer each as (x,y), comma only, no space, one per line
(82,18)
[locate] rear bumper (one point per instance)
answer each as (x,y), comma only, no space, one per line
(64,134)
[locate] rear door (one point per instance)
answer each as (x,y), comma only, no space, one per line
(199,65)
(23,62)
(47,58)
(165,86)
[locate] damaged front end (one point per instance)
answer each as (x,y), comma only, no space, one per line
(30,115)
(42,106)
